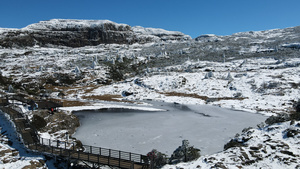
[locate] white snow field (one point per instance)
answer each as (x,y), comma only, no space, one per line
(206,127)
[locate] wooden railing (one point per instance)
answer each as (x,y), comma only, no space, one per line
(99,155)
(122,155)
(69,150)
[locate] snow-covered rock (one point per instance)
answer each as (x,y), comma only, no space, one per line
(268,147)
(72,24)
(159,34)
(208,38)
(292,45)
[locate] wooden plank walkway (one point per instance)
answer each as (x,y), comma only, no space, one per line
(103,156)
(88,157)
(94,155)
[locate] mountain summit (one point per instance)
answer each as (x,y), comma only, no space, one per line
(79,33)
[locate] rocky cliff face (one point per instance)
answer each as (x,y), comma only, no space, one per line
(79,33)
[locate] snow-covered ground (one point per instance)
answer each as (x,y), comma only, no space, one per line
(99,106)
(266,85)
(270,147)
(13,154)
(262,85)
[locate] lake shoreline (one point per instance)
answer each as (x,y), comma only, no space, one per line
(143,140)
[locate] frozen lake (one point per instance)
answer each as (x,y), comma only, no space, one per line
(206,127)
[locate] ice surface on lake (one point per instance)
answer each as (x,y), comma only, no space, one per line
(206,127)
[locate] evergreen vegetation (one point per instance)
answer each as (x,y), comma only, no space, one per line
(183,153)
(38,122)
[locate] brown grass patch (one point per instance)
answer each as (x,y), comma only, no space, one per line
(185,95)
(66,89)
(90,88)
(68,103)
(202,97)
(73,89)
(106,97)
(35,164)
(3,152)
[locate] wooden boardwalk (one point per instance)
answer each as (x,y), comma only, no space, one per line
(113,158)
(96,156)
(98,159)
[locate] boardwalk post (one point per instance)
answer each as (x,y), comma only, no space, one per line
(65,145)
(129,156)
(109,152)
(99,150)
(91,150)
(98,159)
(49,142)
(120,159)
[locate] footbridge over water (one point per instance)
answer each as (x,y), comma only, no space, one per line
(95,156)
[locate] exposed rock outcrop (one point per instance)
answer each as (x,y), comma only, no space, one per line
(79,33)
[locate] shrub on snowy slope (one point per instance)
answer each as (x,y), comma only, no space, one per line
(3,80)
(157,158)
(184,153)
(38,122)
(296,115)
(120,70)
(297,106)
(279,118)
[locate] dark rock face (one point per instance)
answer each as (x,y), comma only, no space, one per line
(83,37)
(72,37)
(77,33)
(14,38)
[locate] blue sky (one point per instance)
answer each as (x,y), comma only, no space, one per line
(192,17)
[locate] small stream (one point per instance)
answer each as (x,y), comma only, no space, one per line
(206,127)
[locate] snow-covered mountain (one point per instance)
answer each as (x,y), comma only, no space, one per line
(82,62)
(79,33)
